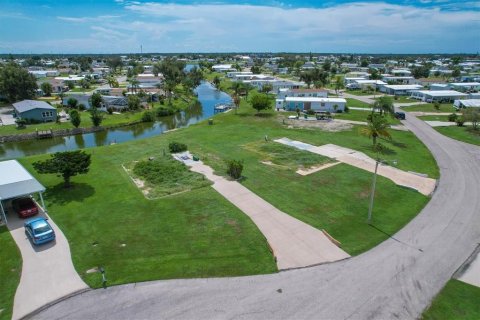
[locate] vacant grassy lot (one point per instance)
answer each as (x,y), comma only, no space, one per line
(357,103)
(10,270)
(198,233)
(457,300)
(434,118)
(465,134)
(285,156)
(360,115)
(164,176)
(428,107)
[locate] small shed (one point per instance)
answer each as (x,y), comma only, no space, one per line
(35,110)
(15,182)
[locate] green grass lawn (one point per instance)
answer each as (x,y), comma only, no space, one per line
(465,134)
(401,99)
(109,120)
(198,233)
(357,103)
(457,300)
(78,89)
(360,115)
(428,107)
(360,92)
(164,176)
(10,270)
(434,118)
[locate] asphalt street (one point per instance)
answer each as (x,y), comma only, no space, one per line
(395,280)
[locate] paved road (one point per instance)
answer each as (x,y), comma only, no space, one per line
(396,279)
(294,243)
(47,270)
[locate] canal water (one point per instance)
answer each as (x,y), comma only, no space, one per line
(208,97)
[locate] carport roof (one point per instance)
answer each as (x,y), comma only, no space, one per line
(16,181)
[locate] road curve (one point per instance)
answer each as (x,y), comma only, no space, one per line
(396,279)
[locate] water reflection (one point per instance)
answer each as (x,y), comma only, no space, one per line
(208,97)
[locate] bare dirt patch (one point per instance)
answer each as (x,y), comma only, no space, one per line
(330,126)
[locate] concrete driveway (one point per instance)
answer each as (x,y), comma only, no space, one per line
(395,280)
(294,243)
(47,270)
(6,117)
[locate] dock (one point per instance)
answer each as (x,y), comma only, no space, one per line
(42,134)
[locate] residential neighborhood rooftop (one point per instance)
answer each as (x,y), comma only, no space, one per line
(27,105)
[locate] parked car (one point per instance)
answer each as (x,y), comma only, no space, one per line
(39,231)
(25,207)
(400,115)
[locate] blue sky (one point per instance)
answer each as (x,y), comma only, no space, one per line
(122,26)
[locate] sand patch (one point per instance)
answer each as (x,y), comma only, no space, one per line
(305,172)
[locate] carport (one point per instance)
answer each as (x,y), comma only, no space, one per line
(16,182)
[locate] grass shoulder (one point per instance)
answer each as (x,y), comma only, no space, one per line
(457,300)
(10,271)
(429,107)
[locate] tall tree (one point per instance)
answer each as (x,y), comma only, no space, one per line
(261,102)
(377,126)
(385,105)
(96,116)
(114,63)
(216,82)
(46,88)
(72,103)
(96,100)
(75,118)
(236,102)
(338,84)
(68,164)
(16,83)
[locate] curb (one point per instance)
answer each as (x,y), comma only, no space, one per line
(54,302)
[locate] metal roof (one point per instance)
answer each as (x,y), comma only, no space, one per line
(315,99)
(471,103)
(404,86)
(27,105)
(442,93)
(16,181)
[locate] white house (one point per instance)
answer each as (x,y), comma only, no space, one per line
(440,96)
(316,104)
(304,92)
(399,80)
(364,83)
(234,74)
(401,73)
(223,68)
(439,86)
(400,89)
(470,103)
(351,80)
(465,86)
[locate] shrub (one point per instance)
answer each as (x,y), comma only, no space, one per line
(176,147)
(310,112)
(436,105)
(234,168)
(21,123)
(110,110)
(82,107)
(460,121)
(148,116)
(346,110)
(452,117)
(164,111)
(395,97)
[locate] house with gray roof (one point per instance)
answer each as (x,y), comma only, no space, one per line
(34,111)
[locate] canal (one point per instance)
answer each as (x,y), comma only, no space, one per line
(208,97)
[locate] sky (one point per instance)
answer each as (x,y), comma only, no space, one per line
(342,26)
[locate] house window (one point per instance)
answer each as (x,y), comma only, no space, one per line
(322,104)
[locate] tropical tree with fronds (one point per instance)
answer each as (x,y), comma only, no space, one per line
(236,102)
(377,126)
(385,105)
(216,82)
(338,84)
(134,83)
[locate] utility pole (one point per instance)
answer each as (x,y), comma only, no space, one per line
(372,194)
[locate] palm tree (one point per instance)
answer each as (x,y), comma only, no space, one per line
(236,86)
(134,84)
(216,82)
(377,126)
(236,102)
(338,84)
(385,104)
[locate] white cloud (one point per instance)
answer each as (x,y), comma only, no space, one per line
(356,27)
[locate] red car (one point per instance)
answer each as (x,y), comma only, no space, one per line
(25,207)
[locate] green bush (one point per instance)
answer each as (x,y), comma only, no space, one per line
(164,111)
(110,110)
(310,112)
(460,121)
(21,123)
(235,168)
(148,116)
(176,147)
(346,110)
(452,117)
(82,107)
